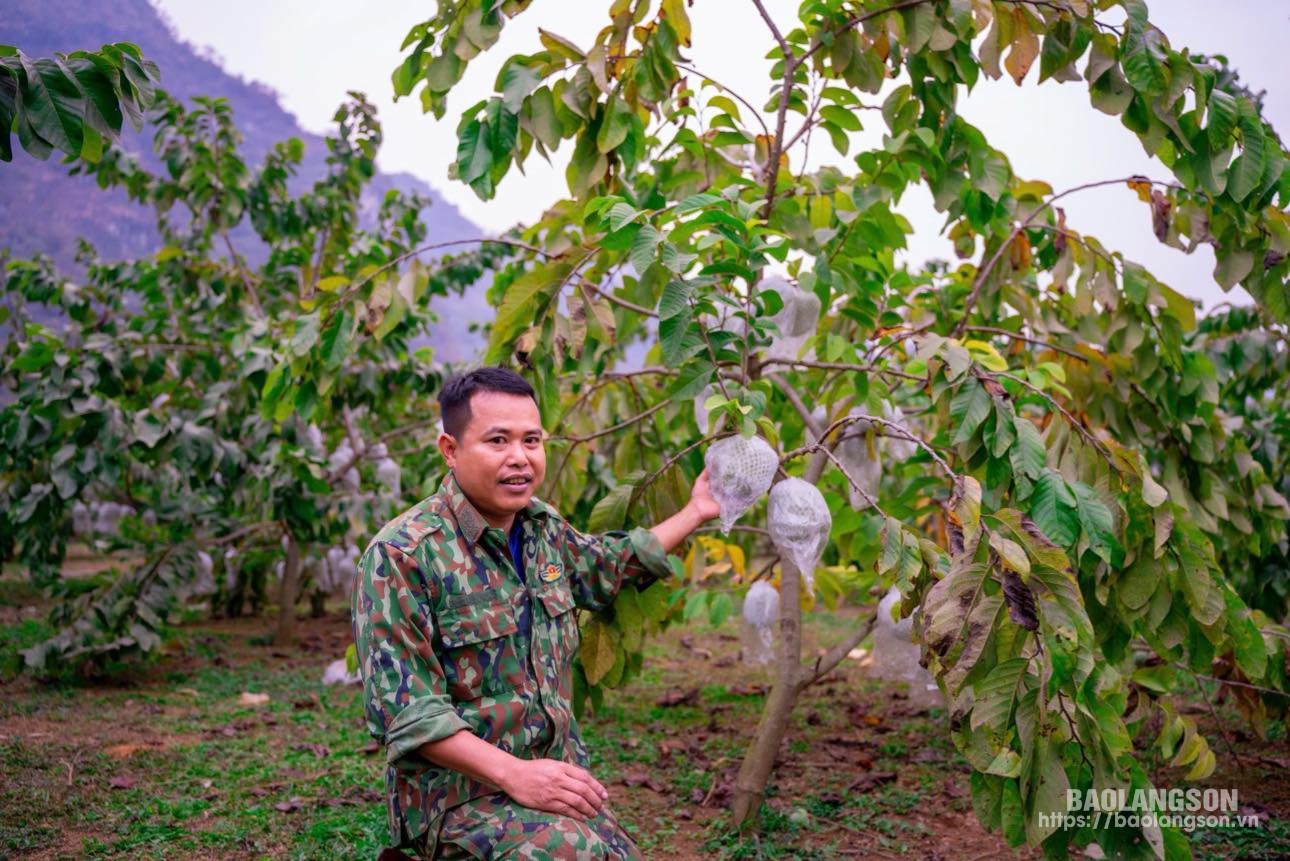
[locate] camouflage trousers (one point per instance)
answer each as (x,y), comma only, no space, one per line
(495,827)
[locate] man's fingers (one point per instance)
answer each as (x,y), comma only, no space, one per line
(584,791)
(577,802)
(585,776)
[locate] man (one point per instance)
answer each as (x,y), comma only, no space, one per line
(466,636)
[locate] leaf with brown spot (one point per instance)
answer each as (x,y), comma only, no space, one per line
(1020,601)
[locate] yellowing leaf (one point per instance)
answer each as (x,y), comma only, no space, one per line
(599,649)
(1025,48)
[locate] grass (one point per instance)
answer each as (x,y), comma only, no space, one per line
(167,764)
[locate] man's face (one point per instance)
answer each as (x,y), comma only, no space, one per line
(499,460)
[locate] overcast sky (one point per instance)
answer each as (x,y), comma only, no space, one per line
(312,51)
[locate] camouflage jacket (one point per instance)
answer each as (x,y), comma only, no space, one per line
(438,607)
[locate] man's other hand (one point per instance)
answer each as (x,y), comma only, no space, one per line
(554,786)
(701,499)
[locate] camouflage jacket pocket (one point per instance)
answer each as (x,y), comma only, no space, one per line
(557,600)
(479,650)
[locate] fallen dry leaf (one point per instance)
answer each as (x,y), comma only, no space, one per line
(872,780)
(677,697)
(637,777)
(249,699)
(290,806)
(123,751)
(371,747)
(122,781)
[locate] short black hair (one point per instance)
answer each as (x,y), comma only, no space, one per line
(454,397)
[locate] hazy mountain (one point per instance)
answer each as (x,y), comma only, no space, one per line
(42,209)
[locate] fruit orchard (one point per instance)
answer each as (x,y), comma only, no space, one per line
(1074,478)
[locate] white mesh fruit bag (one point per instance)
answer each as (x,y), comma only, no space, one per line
(796,321)
(739,471)
(862,463)
(799,521)
(761,609)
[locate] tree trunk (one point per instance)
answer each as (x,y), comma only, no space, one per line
(759,761)
(287,594)
(317,604)
(754,772)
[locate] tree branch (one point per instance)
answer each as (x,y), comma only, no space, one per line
(984,273)
(1019,337)
(829,661)
(755,112)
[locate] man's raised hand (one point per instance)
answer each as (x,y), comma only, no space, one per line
(555,787)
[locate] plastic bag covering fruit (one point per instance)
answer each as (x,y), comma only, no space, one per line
(230,568)
(740,470)
(204,583)
(799,521)
(341,456)
(761,609)
(314,442)
(796,321)
(387,473)
(895,654)
(862,463)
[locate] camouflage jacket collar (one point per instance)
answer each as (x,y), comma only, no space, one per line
(470,522)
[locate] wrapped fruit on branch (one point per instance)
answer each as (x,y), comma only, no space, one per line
(858,454)
(761,609)
(740,470)
(796,321)
(799,522)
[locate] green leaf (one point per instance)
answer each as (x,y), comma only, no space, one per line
(615,126)
(1006,764)
(644,248)
(336,338)
(996,694)
(305,335)
(679,338)
(1053,508)
(969,408)
(840,117)
(620,214)
(1014,818)
(1246,171)
(35,357)
(1223,110)
(52,104)
(654,602)
(1098,523)
(892,543)
(611,511)
(1138,583)
(1028,455)
(525,304)
(675,299)
(1247,641)
(629,619)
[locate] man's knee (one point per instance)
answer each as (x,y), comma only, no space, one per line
(561,838)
